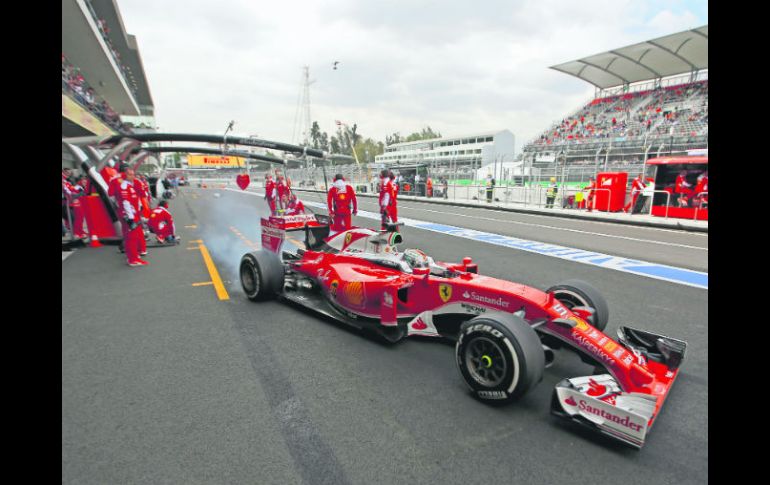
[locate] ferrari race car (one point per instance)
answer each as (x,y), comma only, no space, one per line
(505,332)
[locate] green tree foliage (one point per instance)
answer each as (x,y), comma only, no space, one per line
(425,134)
(347,138)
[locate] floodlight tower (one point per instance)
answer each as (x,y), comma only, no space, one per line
(302,120)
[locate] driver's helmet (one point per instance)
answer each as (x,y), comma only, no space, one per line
(416,258)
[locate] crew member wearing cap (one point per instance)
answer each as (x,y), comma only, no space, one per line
(387,193)
(339,200)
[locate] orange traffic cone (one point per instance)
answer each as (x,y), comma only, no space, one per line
(95,241)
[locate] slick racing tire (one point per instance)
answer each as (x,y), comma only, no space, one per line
(572,293)
(261,275)
(499,356)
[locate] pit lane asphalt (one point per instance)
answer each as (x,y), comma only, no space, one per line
(666,246)
(163,382)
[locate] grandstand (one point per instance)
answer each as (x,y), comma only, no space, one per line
(651,98)
(104,88)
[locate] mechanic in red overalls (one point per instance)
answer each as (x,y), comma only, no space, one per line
(683,188)
(162,224)
(77,208)
(295,206)
(270,192)
(143,209)
(701,186)
(339,200)
(637,186)
(387,192)
(108,172)
(393,207)
(128,208)
(590,201)
(283,191)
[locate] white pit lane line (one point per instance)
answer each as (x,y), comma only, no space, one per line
(657,271)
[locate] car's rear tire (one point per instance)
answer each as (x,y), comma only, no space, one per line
(572,293)
(261,275)
(499,356)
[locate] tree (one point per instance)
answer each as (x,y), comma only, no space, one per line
(334,144)
(391,140)
(425,134)
(315,135)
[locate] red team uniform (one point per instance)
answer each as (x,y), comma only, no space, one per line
(339,200)
(270,193)
(294,207)
(162,224)
(128,208)
(387,201)
(637,186)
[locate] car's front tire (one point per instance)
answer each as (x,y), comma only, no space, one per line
(572,293)
(499,356)
(261,275)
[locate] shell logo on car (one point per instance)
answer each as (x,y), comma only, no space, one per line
(354,293)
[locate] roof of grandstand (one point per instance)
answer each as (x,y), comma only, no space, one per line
(669,55)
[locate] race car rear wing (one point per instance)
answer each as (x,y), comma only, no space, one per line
(274,228)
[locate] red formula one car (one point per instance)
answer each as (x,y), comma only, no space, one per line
(504,331)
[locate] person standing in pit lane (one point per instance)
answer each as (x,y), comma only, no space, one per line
(339,200)
(128,208)
(590,197)
(386,189)
(282,191)
(636,188)
(271,194)
(393,207)
(550,193)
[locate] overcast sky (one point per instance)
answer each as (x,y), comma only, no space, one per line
(459,66)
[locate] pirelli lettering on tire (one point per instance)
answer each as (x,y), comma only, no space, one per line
(492,394)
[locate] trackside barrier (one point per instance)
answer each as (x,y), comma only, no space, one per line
(652,198)
(609,196)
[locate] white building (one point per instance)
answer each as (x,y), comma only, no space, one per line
(467,152)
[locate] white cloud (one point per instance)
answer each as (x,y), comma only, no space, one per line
(454,65)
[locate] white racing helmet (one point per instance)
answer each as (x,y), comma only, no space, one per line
(416,258)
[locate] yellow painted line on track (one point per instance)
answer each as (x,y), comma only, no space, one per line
(218,286)
(191,227)
(215,278)
(204,283)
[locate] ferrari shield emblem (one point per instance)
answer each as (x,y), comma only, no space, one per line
(348,237)
(445,292)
